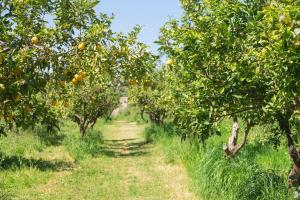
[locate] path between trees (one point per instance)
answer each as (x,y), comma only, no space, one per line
(130,169)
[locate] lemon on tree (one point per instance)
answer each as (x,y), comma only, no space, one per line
(169,62)
(34,40)
(78,77)
(81,46)
(74,81)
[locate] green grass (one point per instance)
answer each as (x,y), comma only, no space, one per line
(113,162)
(259,172)
(81,148)
(30,158)
(132,114)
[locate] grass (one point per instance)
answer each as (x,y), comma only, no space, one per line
(113,162)
(116,161)
(132,114)
(30,158)
(258,173)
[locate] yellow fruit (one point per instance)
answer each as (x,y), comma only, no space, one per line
(1,59)
(34,40)
(82,73)
(74,81)
(78,77)
(133,82)
(81,46)
(169,62)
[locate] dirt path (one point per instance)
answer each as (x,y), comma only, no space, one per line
(146,175)
(130,169)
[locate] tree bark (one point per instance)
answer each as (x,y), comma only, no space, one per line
(232,148)
(142,114)
(294,175)
(82,130)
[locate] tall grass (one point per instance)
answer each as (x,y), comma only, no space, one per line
(257,173)
(20,144)
(82,147)
(4,193)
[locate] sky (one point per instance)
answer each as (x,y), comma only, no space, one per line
(150,14)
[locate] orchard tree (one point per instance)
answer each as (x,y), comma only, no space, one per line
(41,57)
(92,101)
(236,59)
(25,63)
(213,80)
(94,63)
(278,33)
(152,96)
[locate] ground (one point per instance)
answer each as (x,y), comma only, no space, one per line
(128,169)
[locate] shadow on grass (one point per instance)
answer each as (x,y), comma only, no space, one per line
(52,138)
(125,148)
(17,162)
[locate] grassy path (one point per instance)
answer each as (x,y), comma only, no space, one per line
(129,169)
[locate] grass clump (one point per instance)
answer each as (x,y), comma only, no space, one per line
(252,175)
(83,147)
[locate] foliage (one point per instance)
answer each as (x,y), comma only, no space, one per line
(152,96)
(43,58)
(95,101)
(131,114)
(26,48)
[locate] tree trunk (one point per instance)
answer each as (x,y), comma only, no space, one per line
(232,148)
(82,130)
(142,114)
(294,175)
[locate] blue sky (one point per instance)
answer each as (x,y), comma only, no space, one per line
(150,14)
